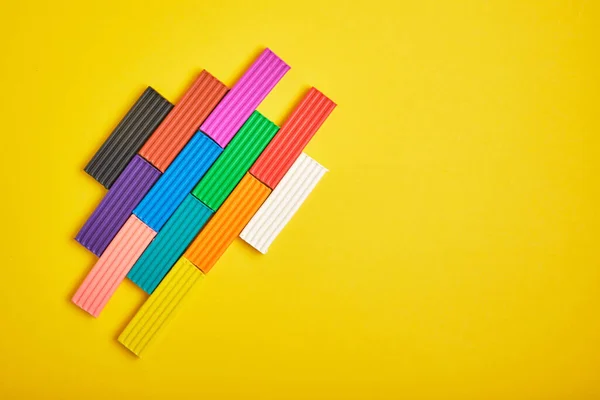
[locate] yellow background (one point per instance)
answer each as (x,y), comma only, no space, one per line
(451,252)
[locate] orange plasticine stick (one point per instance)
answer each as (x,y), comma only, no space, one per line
(227,223)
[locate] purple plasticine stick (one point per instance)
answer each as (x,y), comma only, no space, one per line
(114,209)
(237,105)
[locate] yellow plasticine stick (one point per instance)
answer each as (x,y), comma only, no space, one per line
(160,306)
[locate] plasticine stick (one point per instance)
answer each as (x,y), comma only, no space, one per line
(181,124)
(244,97)
(283,203)
(111,268)
(292,138)
(128,137)
(116,206)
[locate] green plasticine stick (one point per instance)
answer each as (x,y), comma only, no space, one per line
(235,161)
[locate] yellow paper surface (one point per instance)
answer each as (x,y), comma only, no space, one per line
(451,252)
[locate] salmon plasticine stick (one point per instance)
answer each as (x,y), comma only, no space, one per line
(113,266)
(244,97)
(128,137)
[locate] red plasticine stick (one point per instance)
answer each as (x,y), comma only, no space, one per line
(183,121)
(292,138)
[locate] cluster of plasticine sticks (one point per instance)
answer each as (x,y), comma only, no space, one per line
(184,181)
